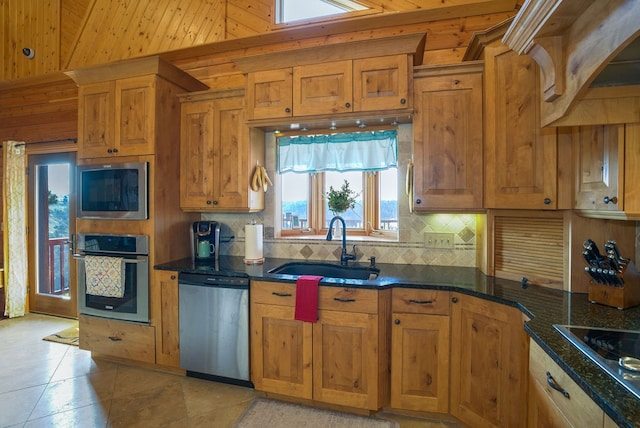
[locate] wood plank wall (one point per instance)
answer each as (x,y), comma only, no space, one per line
(68,34)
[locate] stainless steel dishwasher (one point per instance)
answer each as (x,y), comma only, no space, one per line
(214,327)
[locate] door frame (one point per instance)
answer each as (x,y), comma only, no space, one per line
(39,302)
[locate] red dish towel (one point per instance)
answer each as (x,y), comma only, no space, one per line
(307,298)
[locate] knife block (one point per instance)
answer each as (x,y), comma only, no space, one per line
(619,297)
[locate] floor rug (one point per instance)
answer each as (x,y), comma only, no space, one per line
(68,336)
(265,413)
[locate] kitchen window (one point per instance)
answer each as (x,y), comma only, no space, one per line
(309,165)
(288,11)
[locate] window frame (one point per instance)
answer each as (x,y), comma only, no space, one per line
(278,12)
(316,212)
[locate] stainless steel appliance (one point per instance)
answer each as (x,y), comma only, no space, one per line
(113,191)
(615,351)
(214,327)
(205,239)
(134,251)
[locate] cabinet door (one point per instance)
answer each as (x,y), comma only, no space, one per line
(381,83)
(164,297)
(420,362)
(96,118)
(135,113)
(520,157)
(322,88)
(280,351)
(632,168)
(543,413)
(270,93)
(489,355)
(598,157)
(447,151)
(230,155)
(196,154)
(345,355)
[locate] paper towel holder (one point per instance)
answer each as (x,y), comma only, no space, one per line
(253,244)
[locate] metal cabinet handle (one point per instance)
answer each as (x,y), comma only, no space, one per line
(454,299)
(347,105)
(612,200)
(547,201)
(418,201)
(553,384)
(421,302)
(403,101)
(339,299)
(275,293)
(208,202)
(115,339)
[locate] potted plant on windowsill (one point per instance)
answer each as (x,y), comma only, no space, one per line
(340,200)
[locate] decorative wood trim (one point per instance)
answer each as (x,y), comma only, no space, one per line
(134,68)
(572,41)
(448,69)
(403,44)
(480,39)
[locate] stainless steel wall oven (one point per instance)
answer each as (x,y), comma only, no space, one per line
(131,253)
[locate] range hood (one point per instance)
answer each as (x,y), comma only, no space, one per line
(589,55)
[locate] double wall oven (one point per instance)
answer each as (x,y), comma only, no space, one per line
(131,252)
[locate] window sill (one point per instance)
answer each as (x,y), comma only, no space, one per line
(362,238)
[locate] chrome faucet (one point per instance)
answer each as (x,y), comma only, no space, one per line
(345,256)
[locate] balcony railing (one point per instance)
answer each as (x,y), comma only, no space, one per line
(57,281)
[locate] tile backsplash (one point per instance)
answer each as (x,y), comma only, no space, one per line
(409,249)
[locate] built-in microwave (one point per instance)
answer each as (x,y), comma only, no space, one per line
(113,191)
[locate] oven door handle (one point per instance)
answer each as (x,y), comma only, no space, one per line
(130,261)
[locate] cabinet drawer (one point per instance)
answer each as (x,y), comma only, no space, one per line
(348,300)
(578,409)
(273,293)
(415,301)
(118,338)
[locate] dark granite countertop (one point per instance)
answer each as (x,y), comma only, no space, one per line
(543,306)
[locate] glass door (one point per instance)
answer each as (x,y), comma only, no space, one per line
(52,273)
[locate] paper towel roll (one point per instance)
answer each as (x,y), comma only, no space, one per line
(253,243)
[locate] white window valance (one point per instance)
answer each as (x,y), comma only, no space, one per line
(358,151)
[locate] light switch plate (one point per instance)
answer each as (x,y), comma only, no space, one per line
(438,240)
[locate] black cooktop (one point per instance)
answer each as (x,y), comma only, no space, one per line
(606,347)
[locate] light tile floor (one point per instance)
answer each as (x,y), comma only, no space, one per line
(45,384)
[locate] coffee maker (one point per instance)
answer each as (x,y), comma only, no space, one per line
(205,239)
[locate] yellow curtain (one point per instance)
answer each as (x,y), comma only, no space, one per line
(15,227)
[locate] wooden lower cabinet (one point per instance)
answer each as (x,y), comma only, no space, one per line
(281,351)
(342,359)
(489,359)
(164,297)
(121,339)
(420,350)
(551,408)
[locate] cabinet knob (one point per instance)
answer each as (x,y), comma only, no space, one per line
(454,299)
(347,105)
(547,201)
(396,322)
(608,200)
(403,101)
(287,110)
(109,150)
(208,202)
(418,201)
(215,202)
(173,277)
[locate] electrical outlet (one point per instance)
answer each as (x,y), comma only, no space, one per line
(438,240)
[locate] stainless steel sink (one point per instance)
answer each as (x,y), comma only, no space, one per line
(327,270)
(609,349)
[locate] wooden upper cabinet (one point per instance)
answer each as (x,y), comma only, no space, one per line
(135,115)
(117,118)
(124,109)
(521,158)
(599,167)
(217,154)
(447,131)
(322,88)
(359,85)
(270,93)
(96,120)
(381,83)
